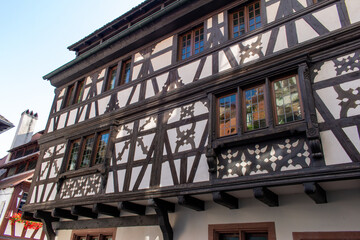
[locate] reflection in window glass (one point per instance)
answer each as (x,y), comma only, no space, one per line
(110,84)
(229,236)
(87,151)
(74,154)
(287,100)
(255,108)
(102,143)
(126,70)
(227,115)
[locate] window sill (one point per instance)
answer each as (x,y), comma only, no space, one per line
(100,168)
(261,134)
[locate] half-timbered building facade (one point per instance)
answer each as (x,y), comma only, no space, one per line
(207,119)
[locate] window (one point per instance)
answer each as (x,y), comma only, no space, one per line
(125,72)
(251,103)
(326,235)
(22,201)
(244,19)
(242,231)
(191,43)
(111,79)
(68,97)
(22,167)
(87,151)
(74,93)
(79,91)
(92,234)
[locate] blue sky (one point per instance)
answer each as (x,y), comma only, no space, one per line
(34,36)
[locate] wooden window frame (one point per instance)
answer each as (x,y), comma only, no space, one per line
(245,9)
(192,41)
(101,233)
(269,102)
(355,235)
(214,230)
(94,149)
(74,93)
(109,78)
(123,71)
(79,91)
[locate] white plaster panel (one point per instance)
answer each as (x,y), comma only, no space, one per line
(333,151)
(202,172)
(55,167)
(326,71)
(174,115)
(304,31)
(102,103)
(51,125)
(145,182)
(92,110)
(52,195)
(353,135)
(166,177)
(38,235)
(136,71)
(353,8)
(162,61)
(163,45)
(190,163)
(5,198)
(62,120)
(121,178)
(110,183)
(72,117)
(60,148)
(222,30)
(331,23)
(303,3)
(150,92)
(49,152)
(147,140)
(207,70)
(41,188)
(63,234)
(85,94)
(135,97)
(271,11)
(265,41)
(120,147)
(58,105)
(187,72)
(8,229)
(209,23)
(29,232)
(134,175)
(125,130)
(172,138)
(161,80)
(235,49)
(88,80)
(44,170)
(32,200)
(200,108)
(123,96)
(319,117)
(102,73)
(139,233)
(99,87)
(62,92)
(18,229)
(207,39)
(223,62)
(199,130)
(329,97)
(138,57)
(220,17)
(47,190)
(281,41)
(352,86)
(147,123)
(82,114)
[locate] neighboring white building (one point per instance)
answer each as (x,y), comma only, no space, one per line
(204,119)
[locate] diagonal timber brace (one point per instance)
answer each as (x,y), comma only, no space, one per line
(162,208)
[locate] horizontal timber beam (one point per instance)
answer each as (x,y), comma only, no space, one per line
(106,209)
(132,207)
(83,211)
(191,202)
(132,221)
(168,206)
(62,213)
(226,200)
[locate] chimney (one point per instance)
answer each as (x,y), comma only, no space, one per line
(25,129)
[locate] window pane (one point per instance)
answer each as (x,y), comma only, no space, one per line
(227,115)
(287,100)
(126,70)
(103,140)
(256,236)
(74,152)
(79,91)
(87,151)
(32,165)
(229,236)
(238,19)
(111,79)
(255,108)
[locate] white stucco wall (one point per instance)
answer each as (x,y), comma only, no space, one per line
(5,196)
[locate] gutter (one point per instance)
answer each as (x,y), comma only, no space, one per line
(117,37)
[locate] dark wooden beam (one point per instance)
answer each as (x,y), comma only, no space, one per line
(168,206)
(132,207)
(191,202)
(226,200)
(29,217)
(315,192)
(47,221)
(162,208)
(83,211)
(62,213)
(106,209)
(266,196)
(131,221)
